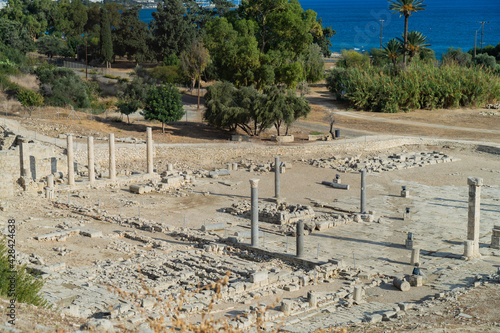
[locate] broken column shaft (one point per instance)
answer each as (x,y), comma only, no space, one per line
(300,238)
(71,166)
(90,153)
(277,177)
(363,192)
(149,153)
(112,165)
(23,152)
(474,212)
(254,183)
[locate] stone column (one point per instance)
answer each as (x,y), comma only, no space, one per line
(312,297)
(277,177)
(358,290)
(71,163)
(254,183)
(474,212)
(90,155)
(49,190)
(363,192)
(149,143)
(300,238)
(495,237)
(415,256)
(468,249)
(23,153)
(112,165)
(50,180)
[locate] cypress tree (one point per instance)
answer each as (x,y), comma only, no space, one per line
(106,44)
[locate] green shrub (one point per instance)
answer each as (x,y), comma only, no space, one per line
(168,74)
(420,86)
(61,86)
(28,287)
(351,58)
(485,60)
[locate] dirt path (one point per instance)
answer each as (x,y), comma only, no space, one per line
(458,124)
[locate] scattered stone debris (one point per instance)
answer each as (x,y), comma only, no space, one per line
(277,213)
(495,106)
(383,163)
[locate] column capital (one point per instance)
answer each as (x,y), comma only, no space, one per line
(474,181)
(254,183)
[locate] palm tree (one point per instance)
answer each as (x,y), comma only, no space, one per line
(417,43)
(406,8)
(391,50)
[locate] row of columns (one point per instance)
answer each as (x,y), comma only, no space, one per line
(90,155)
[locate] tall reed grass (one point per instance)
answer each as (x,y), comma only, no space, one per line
(420,86)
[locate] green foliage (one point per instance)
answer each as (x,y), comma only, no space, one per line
(29,98)
(130,37)
(14,35)
(265,36)
(233,49)
(229,108)
(417,43)
(351,58)
(485,60)
(171,60)
(422,86)
(50,45)
(164,104)
(323,40)
(168,74)
(406,8)
(127,107)
(106,45)
(314,64)
(61,86)
(28,287)
(171,30)
(10,59)
(391,51)
(457,56)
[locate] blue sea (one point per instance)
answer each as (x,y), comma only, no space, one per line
(446,23)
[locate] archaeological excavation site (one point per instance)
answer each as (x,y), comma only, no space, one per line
(378,233)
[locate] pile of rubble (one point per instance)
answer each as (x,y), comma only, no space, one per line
(281,213)
(252,166)
(383,163)
(327,221)
(7,138)
(495,106)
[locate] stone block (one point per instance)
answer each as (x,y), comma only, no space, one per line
(148,302)
(416,280)
(92,233)
(373,318)
(173,181)
(221,172)
(140,189)
(240,138)
(495,242)
(257,277)
(286,307)
(282,138)
(474,181)
(213,227)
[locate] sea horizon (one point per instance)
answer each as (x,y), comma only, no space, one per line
(445,23)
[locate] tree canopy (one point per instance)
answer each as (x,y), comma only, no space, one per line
(164,104)
(171,29)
